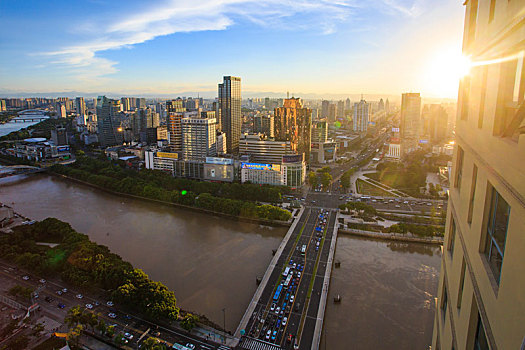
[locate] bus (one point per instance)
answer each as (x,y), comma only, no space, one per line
(303,249)
(288,280)
(286,271)
(180,347)
(278,292)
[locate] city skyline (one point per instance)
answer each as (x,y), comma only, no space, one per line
(171,47)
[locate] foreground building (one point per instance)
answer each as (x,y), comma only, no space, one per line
(109,130)
(293,123)
(230,112)
(481,293)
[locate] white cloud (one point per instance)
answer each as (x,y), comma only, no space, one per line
(176,16)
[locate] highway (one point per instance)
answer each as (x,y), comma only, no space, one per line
(267,328)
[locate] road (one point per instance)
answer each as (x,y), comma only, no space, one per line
(49,301)
(267,328)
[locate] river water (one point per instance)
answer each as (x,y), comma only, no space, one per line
(211,263)
(10,127)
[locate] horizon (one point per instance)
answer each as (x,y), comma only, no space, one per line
(382,47)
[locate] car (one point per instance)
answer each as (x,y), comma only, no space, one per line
(289,338)
(274,335)
(127,317)
(64,290)
(281,312)
(25,278)
(130,336)
(429,204)
(59,292)
(61,306)
(112,315)
(292,298)
(268,334)
(291,261)
(296,346)
(398,206)
(190,345)
(35,295)
(277,309)
(272,307)
(316,248)
(405,202)
(42,280)
(79,296)
(299,274)
(109,303)
(294,265)
(96,303)
(278,324)
(285,320)
(89,306)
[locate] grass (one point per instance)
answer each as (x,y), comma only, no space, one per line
(371,190)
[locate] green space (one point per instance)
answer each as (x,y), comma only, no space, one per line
(370,190)
(234,199)
(321,177)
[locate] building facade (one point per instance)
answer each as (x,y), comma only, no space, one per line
(261,150)
(109,131)
(230,112)
(481,303)
(199,138)
(410,122)
(293,123)
(361,116)
(264,124)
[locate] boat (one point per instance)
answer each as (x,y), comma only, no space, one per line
(337,299)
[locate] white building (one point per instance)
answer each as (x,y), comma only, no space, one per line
(361,116)
(199,138)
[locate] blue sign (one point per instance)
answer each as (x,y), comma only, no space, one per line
(222,161)
(423,141)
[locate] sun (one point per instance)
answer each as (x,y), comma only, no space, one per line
(444,71)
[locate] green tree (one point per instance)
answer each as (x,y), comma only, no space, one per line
(152,344)
(74,334)
(189,321)
(313,179)
(326,179)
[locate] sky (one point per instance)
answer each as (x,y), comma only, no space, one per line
(322,47)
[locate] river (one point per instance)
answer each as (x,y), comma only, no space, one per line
(10,127)
(211,263)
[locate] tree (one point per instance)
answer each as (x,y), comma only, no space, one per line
(189,321)
(74,334)
(152,344)
(345,179)
(110,331)
(326,179)
(312,179)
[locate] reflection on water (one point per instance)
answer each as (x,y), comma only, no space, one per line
(209,262)
(387,290)
(10,127)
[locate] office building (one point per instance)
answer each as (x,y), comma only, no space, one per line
(319,132)
(361,116)
(262,150)
(340,112)
(59,136)
(325,109)
(61,110)
(230,112)
(199,138)
(109,130)
(174,127)
(264,124)
(481,298)
(437,123)
(80,108)
(142,119)
(381,105)
(3,106)
(125,103)
(221,143)
(410,127)
(293,123)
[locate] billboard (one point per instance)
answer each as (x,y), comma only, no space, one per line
(259,166)
(168,155)
(64,148)
(216,160)
(293,158)
(423,141)
(395,129)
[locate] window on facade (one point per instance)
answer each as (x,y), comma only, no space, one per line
(465,94)
(444,303)
(498,220)
(461,282)
(472,194)
(452,237)
(481,114)
(492,10)
(511,91)
(480,342)
(473,17)
(459,168)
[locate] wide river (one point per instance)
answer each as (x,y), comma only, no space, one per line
(211,263)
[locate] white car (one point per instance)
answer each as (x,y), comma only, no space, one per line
(277,309)
(190,345)
(272,307)
(79,296)
(42,280)
(89,306)
(292,299)
(285,320)
(268,334)
(109,303)
(25,278)
(128,336)
(64,290)
(112,315)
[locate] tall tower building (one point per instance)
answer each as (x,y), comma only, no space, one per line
(481,291)
(199,138)
(293,123)
(361,116)
(174,129)
(340,113)
(264,124)
(410,124)
(230,111)
(109,131)
(80,107)
(319,132)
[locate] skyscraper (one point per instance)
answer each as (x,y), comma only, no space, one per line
(319,132)
(109,131)
(80,106)
(264,124)
(325,109)
(230,111)
(361,116)
(174,127)
(340,113)
(293,123)
(199,137)
(410,126)
(481,298)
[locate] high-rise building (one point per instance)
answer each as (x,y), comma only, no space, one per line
(410,127)
(110,132)
(230,111)
(325,109)
(437,123)
(361,116)
(387,106)
(59,136)
(264,124)
(142,119)
(319,132)
(61,110)
(174,126)
(264,151)
(331,112)
(3,106)
(381,105)
(199,138)
(80,108)
(340,113)
(125,103)
(481,298)
(293,123)
(348,106)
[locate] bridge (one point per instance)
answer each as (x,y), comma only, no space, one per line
(13,170)
(30,115)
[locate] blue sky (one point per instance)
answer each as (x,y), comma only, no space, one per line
(170,46)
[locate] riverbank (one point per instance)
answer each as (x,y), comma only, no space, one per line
(177,205)
(392,236)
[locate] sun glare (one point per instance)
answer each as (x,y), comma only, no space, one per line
(444,71)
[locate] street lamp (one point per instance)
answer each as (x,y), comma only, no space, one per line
(224,324)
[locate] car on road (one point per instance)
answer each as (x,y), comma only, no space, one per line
(274,335)
(268,334)
(42,280)
(272,307)
(61,306)
(429,204)
(278,324)
(277,309)
(299,274)
(112,315)
(292,298)
(48,299)
(398,206)
(25,278)
(64,290)
(59,292)
(129,336)
(190,345)
(109,303)
(89,306)
(285,320)
(79,296)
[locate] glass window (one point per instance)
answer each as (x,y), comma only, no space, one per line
(461,283)
(452,238)
(459,168)
(498,220)
(472,193)
(492,10)
(444,304)
(480,342)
